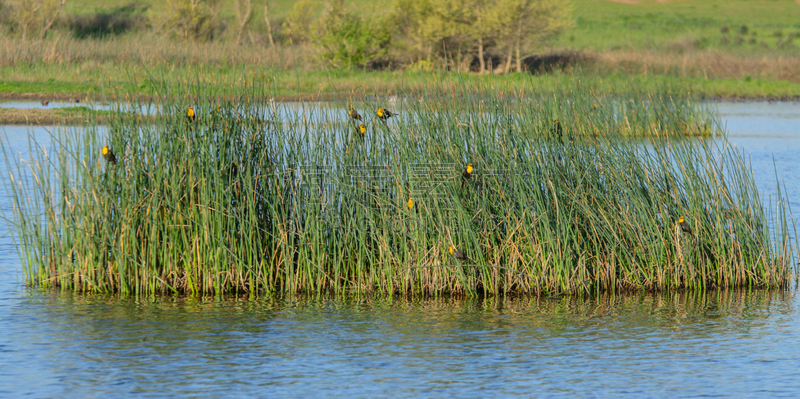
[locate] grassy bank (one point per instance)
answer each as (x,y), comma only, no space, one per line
(337,84)
(254,195)
(61,116)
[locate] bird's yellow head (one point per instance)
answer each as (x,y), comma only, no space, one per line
(362,129)
(380,112)
(451,249)
(681,219)
(190,112)
(469,168)
(410,203)
(556,122)
(105,150)
(594,106)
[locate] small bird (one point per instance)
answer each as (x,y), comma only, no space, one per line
(385,113)
(234,169)
(468,171)
(594,106)
(45,102)
(354,114)
(457,253)
(467,174)
(557,128)
(410,203)
(362,129)
(190,114)
(685,226)
(109,155)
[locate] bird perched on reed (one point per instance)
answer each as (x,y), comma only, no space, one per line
(354,114)
(457,253)
(190,116)
(685,226)
(557,128)
(109,155)
(384,113)
(362,130)
(467,174)
(410,203)
(233,170)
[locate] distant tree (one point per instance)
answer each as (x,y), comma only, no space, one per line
(187,19)
(296,27)
(415,27)
(244,12)
(516,25)
(529,23)
(348,40)
(269,25)
(36,17)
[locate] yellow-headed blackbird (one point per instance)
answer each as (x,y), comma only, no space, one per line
(457,253)
(468,171)
(109,155)
(190,114)
(594,106)
(685,226)
(362,129)
(384,113)
(467,174)
(233,170)
(410,203)
(354,114)
(557,127)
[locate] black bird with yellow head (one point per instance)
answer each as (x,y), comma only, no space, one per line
(467,174)
(457,253)
(361,129)
(685,226)
(557,128)
(190,116)
(109,155)
(468,171)
(384,113)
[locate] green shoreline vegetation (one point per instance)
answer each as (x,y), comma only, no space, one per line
(738,49)
(251,196)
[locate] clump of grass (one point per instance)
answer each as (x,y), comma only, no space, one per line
(254,195)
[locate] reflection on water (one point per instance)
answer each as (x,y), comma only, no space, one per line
(731,343)
(689,344)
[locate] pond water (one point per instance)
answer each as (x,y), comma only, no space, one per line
(735,343)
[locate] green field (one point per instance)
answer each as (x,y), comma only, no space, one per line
(607,25)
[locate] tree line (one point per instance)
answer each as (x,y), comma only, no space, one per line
(483,35)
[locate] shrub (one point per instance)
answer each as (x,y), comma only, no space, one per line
(108,23)
(347,40)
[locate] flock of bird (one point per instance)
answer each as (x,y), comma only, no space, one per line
(384,114)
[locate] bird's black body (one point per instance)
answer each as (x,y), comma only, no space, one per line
(685,226)
(109,155)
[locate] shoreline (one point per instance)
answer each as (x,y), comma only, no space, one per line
(48,117)
(328,96)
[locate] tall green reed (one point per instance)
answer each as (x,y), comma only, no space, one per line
(257,195)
